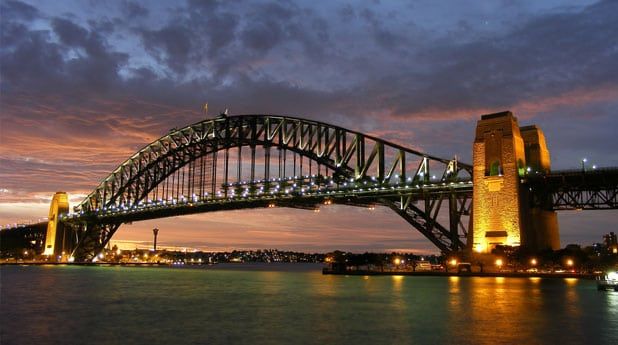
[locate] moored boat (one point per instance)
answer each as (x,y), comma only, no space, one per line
(609,282)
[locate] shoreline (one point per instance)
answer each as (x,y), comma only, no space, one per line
(326,271)
(146,264)
(588,276)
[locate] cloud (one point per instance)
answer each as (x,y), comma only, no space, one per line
(134,9)
(18,10)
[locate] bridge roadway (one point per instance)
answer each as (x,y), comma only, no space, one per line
(567,190)
(354,194)
(310,197)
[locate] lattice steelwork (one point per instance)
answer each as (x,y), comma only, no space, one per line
(593,189)
(323,149)
(257,160)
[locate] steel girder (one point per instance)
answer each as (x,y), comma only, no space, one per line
(349,155)
(575,189)
(332,146)
(423,214)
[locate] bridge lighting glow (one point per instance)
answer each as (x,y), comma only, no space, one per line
(533,262)
(569,262)
(397,261)
(499,262)
(453,262)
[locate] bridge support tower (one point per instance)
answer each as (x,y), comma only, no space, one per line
(503,155)
(56,238)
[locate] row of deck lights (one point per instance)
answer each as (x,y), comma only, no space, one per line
(376,186)
(296,177)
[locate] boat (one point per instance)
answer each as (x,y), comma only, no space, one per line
(609,282)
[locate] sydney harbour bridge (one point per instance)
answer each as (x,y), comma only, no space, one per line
(265,161)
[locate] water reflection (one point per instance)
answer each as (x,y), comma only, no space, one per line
(535,280)
(397,283)
(492,310)
(283,307)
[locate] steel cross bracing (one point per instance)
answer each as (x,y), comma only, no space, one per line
(593,189)
(253,160)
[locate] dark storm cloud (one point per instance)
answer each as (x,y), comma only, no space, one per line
(35,63)
(543,57)
(171,45)
(265,27)
(384,37)
(134,9)
(191,36)
(18,10)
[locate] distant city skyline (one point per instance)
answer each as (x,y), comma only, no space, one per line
(86,84)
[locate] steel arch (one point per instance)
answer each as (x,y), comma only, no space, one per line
(326,144)
(347,154)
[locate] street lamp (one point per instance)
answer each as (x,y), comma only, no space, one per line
(533,262)
(569,262)
(584,164)
(499,263)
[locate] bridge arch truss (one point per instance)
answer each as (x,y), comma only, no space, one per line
(268,159)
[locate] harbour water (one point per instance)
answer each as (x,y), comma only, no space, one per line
(294,304)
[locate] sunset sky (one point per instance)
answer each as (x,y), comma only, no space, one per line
(84,84)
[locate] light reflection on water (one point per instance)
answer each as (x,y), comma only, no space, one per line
(113,305)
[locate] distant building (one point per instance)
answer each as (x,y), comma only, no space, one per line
(611,242)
